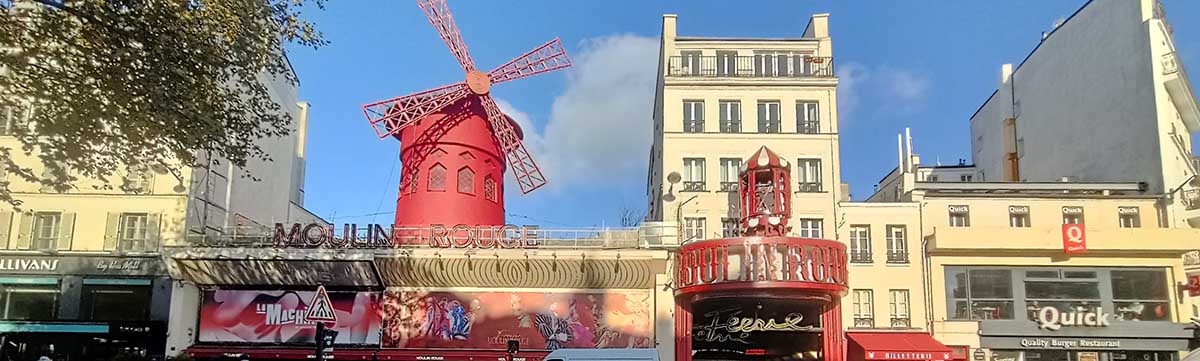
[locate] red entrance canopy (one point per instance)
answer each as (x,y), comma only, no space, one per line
(889,346)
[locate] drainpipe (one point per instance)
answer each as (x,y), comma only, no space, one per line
(928,282)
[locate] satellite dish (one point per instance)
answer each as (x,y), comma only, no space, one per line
(674,177)
(669,197)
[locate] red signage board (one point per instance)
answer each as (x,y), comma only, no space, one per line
(1074,239)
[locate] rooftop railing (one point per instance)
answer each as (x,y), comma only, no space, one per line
(758,66)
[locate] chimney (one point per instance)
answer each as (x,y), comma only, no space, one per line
(818,26)
(668,29)
(1006,72)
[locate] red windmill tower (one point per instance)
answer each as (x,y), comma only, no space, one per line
(453,137)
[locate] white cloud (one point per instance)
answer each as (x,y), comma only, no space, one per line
(891,90)
(903,85)
(600,126)
(850,77)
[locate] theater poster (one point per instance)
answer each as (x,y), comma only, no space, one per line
(277,317)
(545,321)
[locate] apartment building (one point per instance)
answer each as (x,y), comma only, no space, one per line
(1106,94)
(719,100)
(80,271)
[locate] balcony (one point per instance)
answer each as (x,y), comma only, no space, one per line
(864,321)
(729,186)
(860,257)
(760,66)
(1179,88)
(898,322)
(693,186)
(808,187)
(808,127)
(897,257)
(1191,199)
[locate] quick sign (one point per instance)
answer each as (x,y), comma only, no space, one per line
(1074,239)
(1050,318)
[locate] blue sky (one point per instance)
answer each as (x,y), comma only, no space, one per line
(922,65)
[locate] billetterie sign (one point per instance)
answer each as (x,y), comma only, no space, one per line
(316,235)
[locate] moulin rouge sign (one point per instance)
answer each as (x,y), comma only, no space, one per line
(800,262)
(315,235)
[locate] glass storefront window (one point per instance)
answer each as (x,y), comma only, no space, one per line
(984,293)
(1050,290)
(116,303)
(30,303)
(991,283)
(1140,295)
(981,294)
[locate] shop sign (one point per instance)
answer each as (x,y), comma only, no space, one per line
(1069,343)
(1051,318)
(905,356)
(26,264)
(1074,239)
(316,235)
(710,264)
(81,265)
(1191,258)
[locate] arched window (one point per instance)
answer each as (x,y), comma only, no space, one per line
(489,188)
(437,178)
(466,180)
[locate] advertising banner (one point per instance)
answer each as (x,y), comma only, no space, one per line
(277,317)
(540,321)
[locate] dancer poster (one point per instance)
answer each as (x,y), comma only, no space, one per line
(547,321)
(277,317)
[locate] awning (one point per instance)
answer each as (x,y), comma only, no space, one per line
(865,346)
(274,352)
(456,355)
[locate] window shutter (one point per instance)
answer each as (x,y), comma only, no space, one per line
(26,231)
(5,227)
(152,232)
(66,232)
(112,231)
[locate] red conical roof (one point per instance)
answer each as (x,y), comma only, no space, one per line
(764,158)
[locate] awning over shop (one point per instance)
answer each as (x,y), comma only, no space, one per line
(274,352)
(251,272)
(890,346)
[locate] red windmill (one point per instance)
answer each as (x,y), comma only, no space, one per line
(453,137)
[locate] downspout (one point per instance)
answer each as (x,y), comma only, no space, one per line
(925,264)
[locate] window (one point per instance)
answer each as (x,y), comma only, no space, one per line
(1065,291)
(898,308)
(727,63)
(690,62)
(730,167)
(897,246)
(965,177)
(489,188)
(693,116)
(778,64)
(810,227)
(138,179)
(1072,215)
(693,174)
(960,216)
(466,181)
(807,118)
(931,178)
(112,303)
(693,228)
(860,244)
(864,314)
(30,302)
(729,227)
(768,117)
(46,227)
(980,294)
(134,232)
(1129,217)
(809,175)
(1018,216)
(7,121)
(1141,295)
(731,116)
(437,178)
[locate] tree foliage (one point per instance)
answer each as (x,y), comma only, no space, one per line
(108,84)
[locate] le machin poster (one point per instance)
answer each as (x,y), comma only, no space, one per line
(543,321)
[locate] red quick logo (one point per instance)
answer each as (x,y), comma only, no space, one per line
(1051,318)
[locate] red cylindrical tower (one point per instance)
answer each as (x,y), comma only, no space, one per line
(453,171)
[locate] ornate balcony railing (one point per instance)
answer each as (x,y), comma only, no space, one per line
(757,66)
(901,322)
(860,257)
(729,186)
(864,321)
(808,127)
(808,187)
(693,186)
(1191,199)
(896,257)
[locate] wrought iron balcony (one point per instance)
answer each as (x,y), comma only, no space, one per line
(693,126)
(808,127)
(729,186)
(864,321)
(809,187)
(896,257)
(901,322)
(860,257)
(693,186)
(758,66)
(731,126)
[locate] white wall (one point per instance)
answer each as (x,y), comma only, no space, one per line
(1085,103)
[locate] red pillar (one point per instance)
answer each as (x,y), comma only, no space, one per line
(683,330)
(834,340)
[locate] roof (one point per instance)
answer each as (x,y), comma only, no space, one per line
(707,38)
(764,158)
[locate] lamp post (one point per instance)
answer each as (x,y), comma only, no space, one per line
(679,214)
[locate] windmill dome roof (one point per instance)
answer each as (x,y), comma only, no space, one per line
(765,158)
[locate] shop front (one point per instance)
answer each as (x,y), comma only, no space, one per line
(65,307)
(1070,313)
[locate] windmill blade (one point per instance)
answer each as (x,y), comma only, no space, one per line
(439,16)
(390,116)
(548,57)
(525,170)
